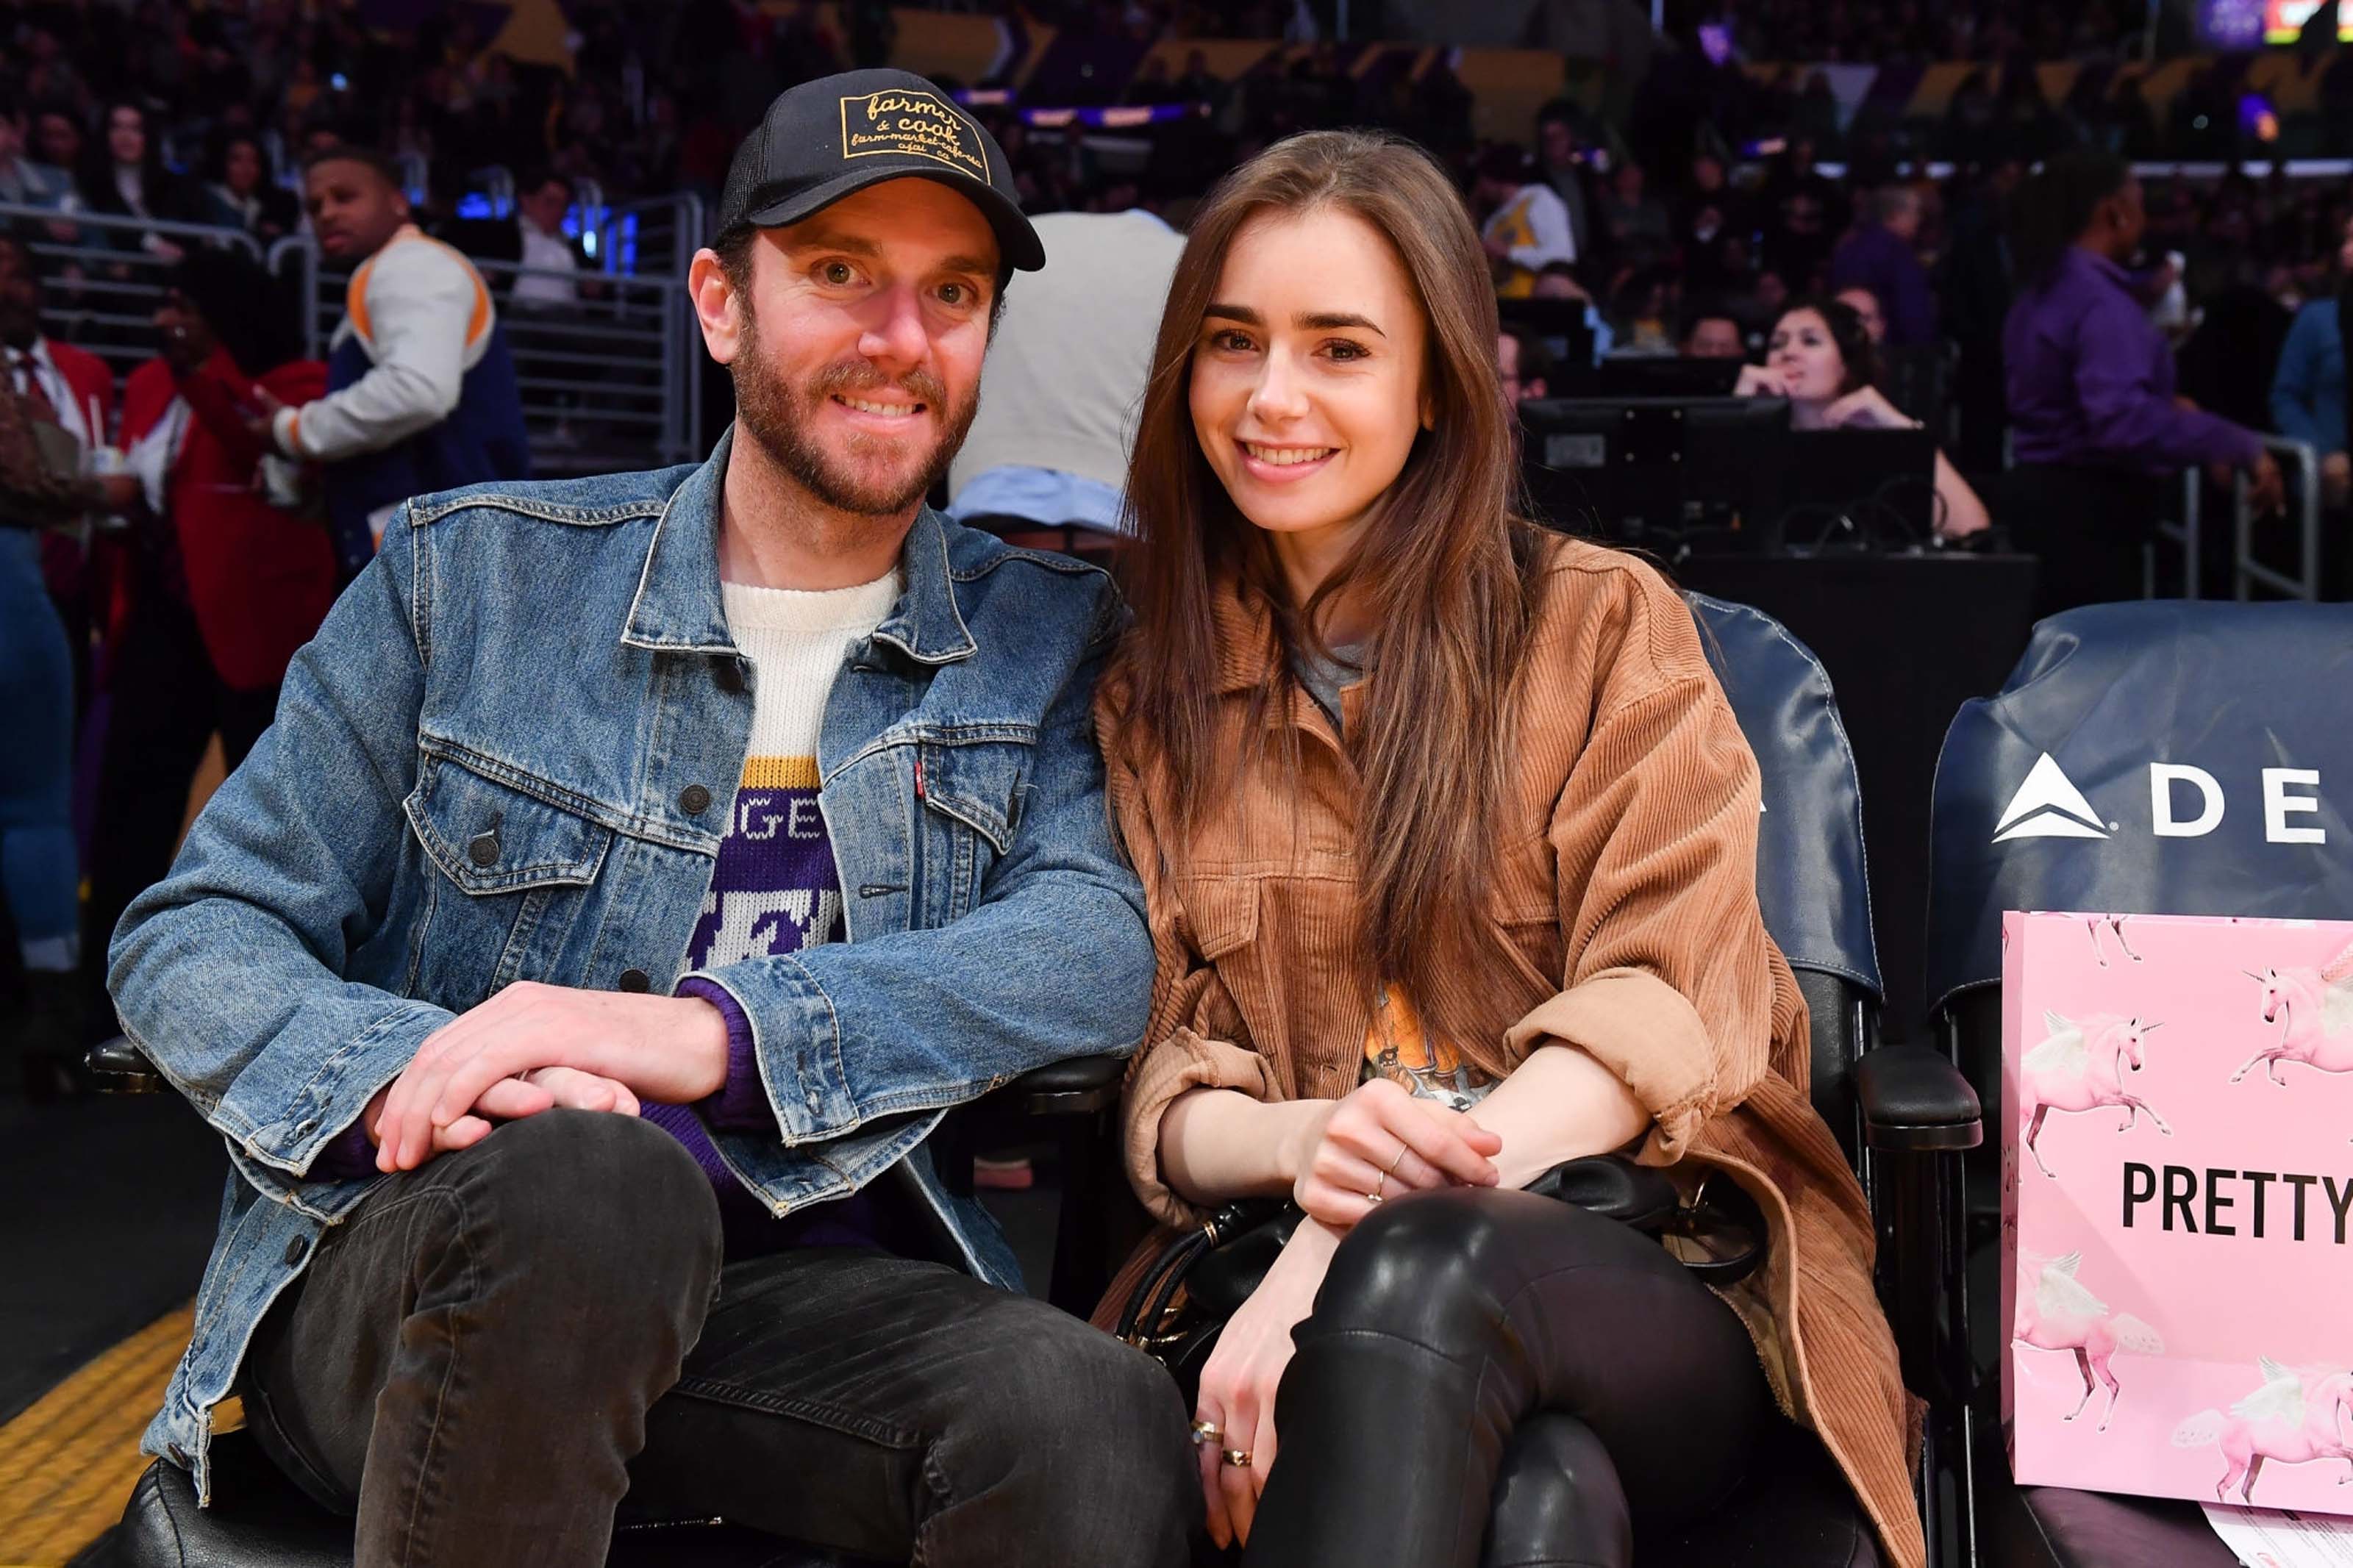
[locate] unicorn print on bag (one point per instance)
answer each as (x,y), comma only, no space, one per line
(2080,1067)
(2314,1010)
(2062,1314)
(2115,925)
(2295,1418)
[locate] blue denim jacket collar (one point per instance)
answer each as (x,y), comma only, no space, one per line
(678,606)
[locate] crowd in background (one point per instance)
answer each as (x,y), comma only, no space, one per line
(1673,233)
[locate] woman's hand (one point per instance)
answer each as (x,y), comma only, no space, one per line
(1867,408)
(1379,1142)
(1760,380)
(1240,1380)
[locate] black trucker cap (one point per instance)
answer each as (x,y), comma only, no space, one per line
(826,139)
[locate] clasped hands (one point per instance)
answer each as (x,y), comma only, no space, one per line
(1378,1142)
(533,1047)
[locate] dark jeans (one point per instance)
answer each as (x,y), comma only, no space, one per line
(490,1352)
(166,703)
(1497,1380)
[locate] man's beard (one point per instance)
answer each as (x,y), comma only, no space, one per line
(779,417)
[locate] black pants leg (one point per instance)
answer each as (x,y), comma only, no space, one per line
(898,1409)
(242,717)
(1450,1319)
(468,1361)
(160,715)
(492,1350)
(2087,529)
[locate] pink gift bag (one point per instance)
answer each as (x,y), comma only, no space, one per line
(2177,1207)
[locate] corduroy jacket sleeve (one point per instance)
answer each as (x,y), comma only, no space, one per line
(1197,1037)
(1669,983)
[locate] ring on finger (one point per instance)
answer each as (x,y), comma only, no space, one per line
(1207,1432)
(1382,1186)
(1239,1459)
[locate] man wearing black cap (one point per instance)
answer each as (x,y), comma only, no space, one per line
(637,871)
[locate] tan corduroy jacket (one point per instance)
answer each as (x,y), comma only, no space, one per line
(1625,899)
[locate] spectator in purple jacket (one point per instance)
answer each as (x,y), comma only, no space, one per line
(1876,254)
(2098,429)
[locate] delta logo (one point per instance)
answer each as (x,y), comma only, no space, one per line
(2184,801)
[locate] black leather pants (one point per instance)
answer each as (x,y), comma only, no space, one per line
(1496,1380)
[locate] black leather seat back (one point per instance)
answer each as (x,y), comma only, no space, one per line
(2157,758)
(2150,758)
(1810,878)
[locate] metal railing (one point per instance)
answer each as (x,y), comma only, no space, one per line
(103,275)
(609,379)
(2247,572)
(2188,533)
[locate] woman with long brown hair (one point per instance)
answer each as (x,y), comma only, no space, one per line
(1449,839)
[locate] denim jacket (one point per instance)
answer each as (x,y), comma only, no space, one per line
(476,777)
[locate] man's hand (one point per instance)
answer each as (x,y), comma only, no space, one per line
(2265,490)
(511,1099)
(2337,478)
(1497,247)
(264,424)
(668,1050)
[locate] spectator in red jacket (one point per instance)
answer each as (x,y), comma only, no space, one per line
(229,579)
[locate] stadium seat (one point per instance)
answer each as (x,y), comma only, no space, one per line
(1902,1112)
(2045,799)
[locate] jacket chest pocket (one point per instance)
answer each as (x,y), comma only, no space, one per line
(970,796)
(511,863)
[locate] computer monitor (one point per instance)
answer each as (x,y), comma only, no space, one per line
(1663,472)
(1859,489)
(1658,376)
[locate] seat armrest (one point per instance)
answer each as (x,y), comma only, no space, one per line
(1914,1098)
(118,1066)
(1079,1087)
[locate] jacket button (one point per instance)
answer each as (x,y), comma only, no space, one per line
(483,850)
(727,675)
(694,800)
(635,980)
(294,1250)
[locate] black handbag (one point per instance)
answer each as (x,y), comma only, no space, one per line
(1183,1301)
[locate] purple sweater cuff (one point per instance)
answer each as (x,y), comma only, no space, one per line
(348,1156)
(742,1103)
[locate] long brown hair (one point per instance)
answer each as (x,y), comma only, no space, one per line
(1445,566)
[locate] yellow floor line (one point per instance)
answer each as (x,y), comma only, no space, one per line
(67,1464)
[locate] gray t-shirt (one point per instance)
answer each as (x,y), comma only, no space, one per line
(1323,679)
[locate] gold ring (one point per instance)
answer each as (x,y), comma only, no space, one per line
(1382,1186)
(1207,1432)
(1238,1457)
(1373,1199)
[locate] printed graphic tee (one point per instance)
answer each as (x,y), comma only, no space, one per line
(774,888)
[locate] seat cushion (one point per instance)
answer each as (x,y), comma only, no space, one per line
(1793,1510)
(2062,1527)
(259,1520)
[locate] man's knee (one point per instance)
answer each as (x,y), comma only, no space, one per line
(606,1204)
(1096,1437)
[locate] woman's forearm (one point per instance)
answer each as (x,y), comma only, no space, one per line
(1559,1104)
(1218,1144)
